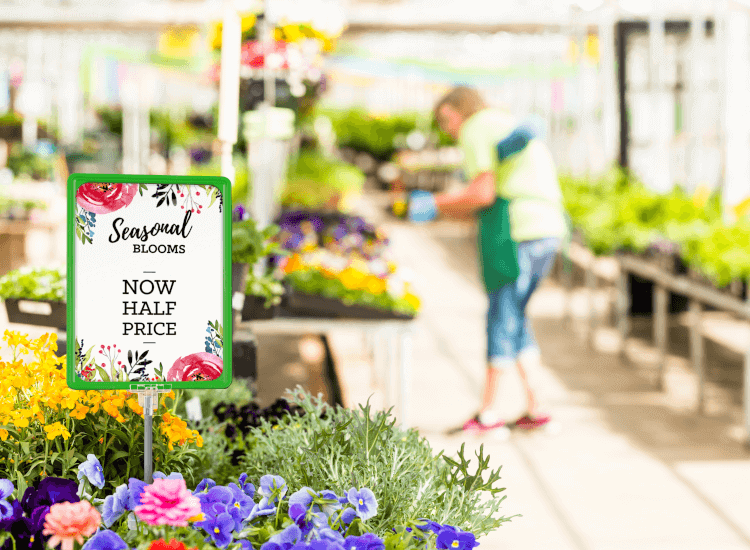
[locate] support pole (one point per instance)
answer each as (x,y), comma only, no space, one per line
(696,351)
(660,331)
(623,303)
(148,432)
(591,288)
(229,87)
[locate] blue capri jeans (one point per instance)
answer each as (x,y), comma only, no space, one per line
(508,330)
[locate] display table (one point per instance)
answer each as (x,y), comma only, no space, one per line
(398,334)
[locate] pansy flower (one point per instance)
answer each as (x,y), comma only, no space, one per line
(364,502)
(219,529)
(247,488)
(49,491)
(105,540)
(450,538)
(115,505)
(272,489)
(92,471)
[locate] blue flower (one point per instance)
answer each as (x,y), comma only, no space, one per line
(105,540)
(135,488)
(289,536)
(261,509)
(205,485)
(6,490)
(272,488)
(273,546)
(364,502)
(173,475)
(453,539)
(216,501)
(303,497)
(333,504)
(219,529)
(368,541)
(329,534)
(347,516)
(92,471)
(429,525)
(240,507)
(11,514)
(247,488)
(115,505)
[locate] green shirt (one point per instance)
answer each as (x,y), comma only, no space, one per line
(527,179)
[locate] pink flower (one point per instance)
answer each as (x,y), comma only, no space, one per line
(198,366)
(68,522)
(103,198)
(168,502)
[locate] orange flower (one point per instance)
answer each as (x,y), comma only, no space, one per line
(69,522)
(293,264)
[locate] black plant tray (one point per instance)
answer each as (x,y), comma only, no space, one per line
(44,313)
(255,309)
(300,304)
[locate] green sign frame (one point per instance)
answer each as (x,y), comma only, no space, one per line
(75,181)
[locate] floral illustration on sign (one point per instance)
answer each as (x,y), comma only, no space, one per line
(106,363)
(215,338)
(195,367)
(100,198)
(188,197)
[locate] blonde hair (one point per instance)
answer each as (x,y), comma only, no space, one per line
(464,100)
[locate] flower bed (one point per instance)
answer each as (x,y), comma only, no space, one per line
(299,475)
(44,288)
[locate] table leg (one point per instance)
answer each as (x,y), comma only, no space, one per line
(622,310)
(592,317)
(696,351)
(405,363)
(661,330)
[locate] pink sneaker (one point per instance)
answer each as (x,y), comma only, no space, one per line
(475,425)
(526,422)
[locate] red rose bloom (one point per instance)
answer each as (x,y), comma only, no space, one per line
(103,198)
(198,366)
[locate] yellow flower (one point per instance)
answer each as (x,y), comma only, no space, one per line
(351,278)
(57,430)
(94,399)
(375,285)
(412,300)
(133,404)
(3,434)
(80,411)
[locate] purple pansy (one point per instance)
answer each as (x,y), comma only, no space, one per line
(204,486)
(364,502)
(288,537)
(105,540)
(135,489)
(173,475)
(115,505)
(219,529)
(453,539)
(217,501)
(429,525)
(272,489)
(6,490)
(247,488)
(92,471)
(368,541)
(347,516)
(240,507)
(49,491)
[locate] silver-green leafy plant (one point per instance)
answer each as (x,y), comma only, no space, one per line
(340,448)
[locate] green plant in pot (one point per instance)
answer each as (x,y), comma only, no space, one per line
(250,247)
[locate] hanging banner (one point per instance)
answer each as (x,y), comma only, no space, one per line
(149,282)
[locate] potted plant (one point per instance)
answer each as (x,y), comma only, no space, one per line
(35,297)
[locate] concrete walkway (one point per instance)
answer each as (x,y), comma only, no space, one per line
(631,468)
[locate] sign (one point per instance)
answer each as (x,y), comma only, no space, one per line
(149,282)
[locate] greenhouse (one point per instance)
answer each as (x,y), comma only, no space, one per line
(374,275)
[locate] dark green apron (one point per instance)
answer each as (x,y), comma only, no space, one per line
(498,252)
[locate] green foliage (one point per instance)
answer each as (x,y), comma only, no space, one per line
(379,136)
(34,284)
(616,212)
(26,164)
(8,205)
(111,118)
(346,448)
(315,181)
(237,392)
(249,246)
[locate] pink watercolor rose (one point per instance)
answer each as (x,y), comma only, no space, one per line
(198,366)
(103,198)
